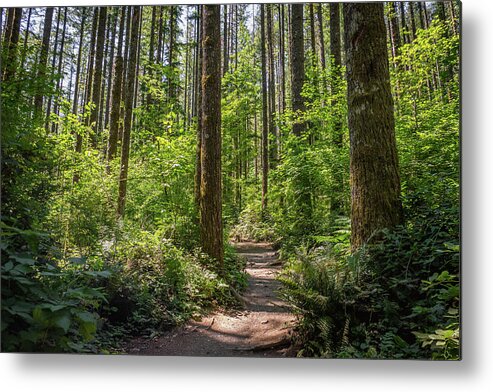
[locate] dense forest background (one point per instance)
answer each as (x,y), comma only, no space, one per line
(117,210)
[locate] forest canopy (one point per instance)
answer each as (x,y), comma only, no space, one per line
(140,143)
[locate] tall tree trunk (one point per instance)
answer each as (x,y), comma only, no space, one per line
(265,111)
(394,26)
(53,61)
(282,56)
(426,17)
(59,84)
(225,40)
(412,20)
(11,42)
(198,106)
(321,35)
(375,185)
(125,69)
(90,63)
(129,99)
(160,36)
(43,59)
(211,225)
(116,94)
(312,34)
(26,37)
(404,29)
(98,67)
(75,105)
(297,67)
(151,50)
(171,53)
(272,88)
(111,66)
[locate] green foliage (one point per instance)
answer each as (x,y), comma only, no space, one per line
(47,305)
(396,299)
(160,285)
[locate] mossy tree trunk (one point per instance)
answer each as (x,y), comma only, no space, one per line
(374,171)
(211,227)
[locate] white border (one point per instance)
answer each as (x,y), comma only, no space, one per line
(98,373)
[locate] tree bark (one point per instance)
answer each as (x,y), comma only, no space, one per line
(374,171)
(111,67)
(26,37)
(11,42)
(265,112)
(394,26)
(75,105)
(321,35)
(297,67)
(412,20)
(225,39)
(129,98)
(404,29)
(211,227)
(98,67)
(43,59)
(116,94)
(272,89)
(312,34)
(198,106)
(59,84)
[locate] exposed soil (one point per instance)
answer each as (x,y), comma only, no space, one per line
(261,329)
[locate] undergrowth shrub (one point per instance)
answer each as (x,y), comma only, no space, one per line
(160,285)
(395,299)
(48,305)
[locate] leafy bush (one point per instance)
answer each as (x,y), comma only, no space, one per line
(160,285)
(396,299)
(47,306)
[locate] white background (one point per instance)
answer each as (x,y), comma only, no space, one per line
(474,373)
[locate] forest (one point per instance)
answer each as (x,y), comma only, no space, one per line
(269,179)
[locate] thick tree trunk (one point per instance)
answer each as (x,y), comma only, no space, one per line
(265,111)
(297,67)
(211,226)
(43,59)
(374,171)
(129,98)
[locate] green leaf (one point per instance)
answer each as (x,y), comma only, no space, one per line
(63,321)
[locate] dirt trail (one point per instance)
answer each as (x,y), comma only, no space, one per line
(261,329)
